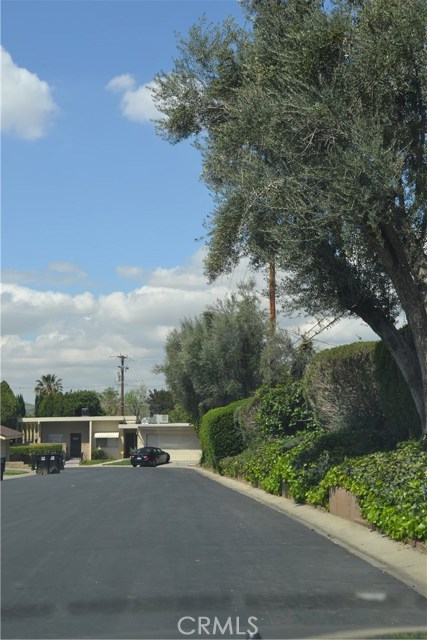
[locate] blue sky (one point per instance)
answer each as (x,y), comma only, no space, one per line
(96,177)
(99,214)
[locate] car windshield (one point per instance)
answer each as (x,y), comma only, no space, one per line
(146,450)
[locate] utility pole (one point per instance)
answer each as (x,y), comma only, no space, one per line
(272,293)
(122,368)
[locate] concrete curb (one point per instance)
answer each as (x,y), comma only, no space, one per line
(407,564)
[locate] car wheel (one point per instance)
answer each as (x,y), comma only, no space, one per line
(134,466)
(168,459)
(154,463)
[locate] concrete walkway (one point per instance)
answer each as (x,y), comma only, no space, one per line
(72,463)
(403,562)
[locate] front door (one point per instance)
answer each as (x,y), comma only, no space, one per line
(130,442)
(75,445)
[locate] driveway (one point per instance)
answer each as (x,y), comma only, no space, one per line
(168,553)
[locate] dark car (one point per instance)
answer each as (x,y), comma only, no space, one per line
(149,456)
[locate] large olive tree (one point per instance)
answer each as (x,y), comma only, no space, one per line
(312,125)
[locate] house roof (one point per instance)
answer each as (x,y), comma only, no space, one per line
(8,434)
(97,422)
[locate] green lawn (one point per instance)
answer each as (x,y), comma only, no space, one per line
(120,463)
(15,472)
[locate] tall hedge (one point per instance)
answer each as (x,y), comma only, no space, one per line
(402,418)
(360,385)
(220,434)
(341,386)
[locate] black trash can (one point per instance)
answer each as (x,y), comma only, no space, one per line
(40,463)
(3,467)
(56,462)
(44,463)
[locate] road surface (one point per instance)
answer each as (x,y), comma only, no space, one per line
(168,553)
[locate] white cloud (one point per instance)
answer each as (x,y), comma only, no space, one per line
(125,82)
(78,336)
(66,267)
(137,103)
(135,273)
(57,273)
(27,105)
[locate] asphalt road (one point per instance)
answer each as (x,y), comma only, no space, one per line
(168,553)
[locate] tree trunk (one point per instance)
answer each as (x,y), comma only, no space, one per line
(404,354)
(411,358)
(410,285)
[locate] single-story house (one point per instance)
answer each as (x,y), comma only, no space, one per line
(114,434)
(7,434)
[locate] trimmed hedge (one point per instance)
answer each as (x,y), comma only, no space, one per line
(391,489)
(341,386)
(220,435)
(24,453)
(360,384)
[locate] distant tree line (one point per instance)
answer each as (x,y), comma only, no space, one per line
(12,408)
(50,401)
(227,352)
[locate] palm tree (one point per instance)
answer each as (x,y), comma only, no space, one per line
(48,385)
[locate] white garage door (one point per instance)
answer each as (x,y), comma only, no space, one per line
(180,446)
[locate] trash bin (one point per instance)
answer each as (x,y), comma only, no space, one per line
(56,462)
(44,463)
(40,463)
(3,466)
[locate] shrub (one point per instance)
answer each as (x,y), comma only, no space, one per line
(283,410)
(220,435)
(246,417)
(360,384)
(98,454)
(299,462)
(24,453)
(252,464)
(271,465)
(390,488)
(341,386)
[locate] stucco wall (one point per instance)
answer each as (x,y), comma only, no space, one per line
(65,429)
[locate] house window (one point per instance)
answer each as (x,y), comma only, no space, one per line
(101,443)
(55,437)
